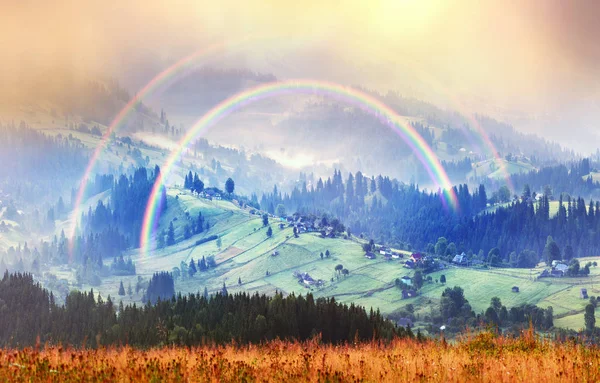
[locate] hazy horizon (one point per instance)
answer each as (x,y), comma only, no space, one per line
(532,64)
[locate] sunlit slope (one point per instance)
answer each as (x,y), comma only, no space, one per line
(246,256)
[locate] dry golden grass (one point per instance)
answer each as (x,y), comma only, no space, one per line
(484,358)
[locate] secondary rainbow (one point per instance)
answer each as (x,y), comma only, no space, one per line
(152,85)
(463,111)
(366,102)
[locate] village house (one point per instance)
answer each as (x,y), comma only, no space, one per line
(406,280)
(408,293)
(556,273)
(515,289)
(460,259)
(409,264)
(561,267)
(416,257)
(396,255)
(370,255)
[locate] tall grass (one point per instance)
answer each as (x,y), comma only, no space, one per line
(482,357)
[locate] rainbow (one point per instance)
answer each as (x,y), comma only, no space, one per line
(463,111)
(152,85)
(366,102)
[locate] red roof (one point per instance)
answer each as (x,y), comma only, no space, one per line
(416,256)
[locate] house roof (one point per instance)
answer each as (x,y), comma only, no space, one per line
(561,267)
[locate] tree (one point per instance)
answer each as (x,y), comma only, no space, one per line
(265,219)
(187,231)
(491,316)
(321,255)
(551,251)
(192,268)
(171,235)
(327,253)
(569,253)
(239,280)
(494,257)
(219,242)
(121,289)
(229,186)
(526,191)
(590,317)
(443,278)
(418,279)
(202,264)
(345,272)
(129,290)
(224,290)
(451,249)
(504,194)
(441,246)
(338,268)
(198,185)
(269,232)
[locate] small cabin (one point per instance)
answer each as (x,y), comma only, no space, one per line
(583,294)
(515,289)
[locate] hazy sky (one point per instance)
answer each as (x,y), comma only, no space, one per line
(535,63)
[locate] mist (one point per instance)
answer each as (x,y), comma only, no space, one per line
(533,64)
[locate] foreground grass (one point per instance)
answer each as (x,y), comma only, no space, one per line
(481,358)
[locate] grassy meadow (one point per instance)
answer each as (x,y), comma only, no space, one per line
(480,358)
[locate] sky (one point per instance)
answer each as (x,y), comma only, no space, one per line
(533,63)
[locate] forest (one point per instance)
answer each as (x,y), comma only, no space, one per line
(29,312)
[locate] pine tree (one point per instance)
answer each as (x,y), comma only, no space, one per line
(202,264)
(192,268)
(590,317)
(269,232)
(121,289)
(171,235)
(229,186)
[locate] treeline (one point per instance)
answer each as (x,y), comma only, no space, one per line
(128,200)
(573,179)
(28,311)
(456,315)
(404,216)
(381,208)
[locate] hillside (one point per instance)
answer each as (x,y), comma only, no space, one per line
(246,255)
(497,169)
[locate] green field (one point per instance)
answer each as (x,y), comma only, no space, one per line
(246,255)
(498,169)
